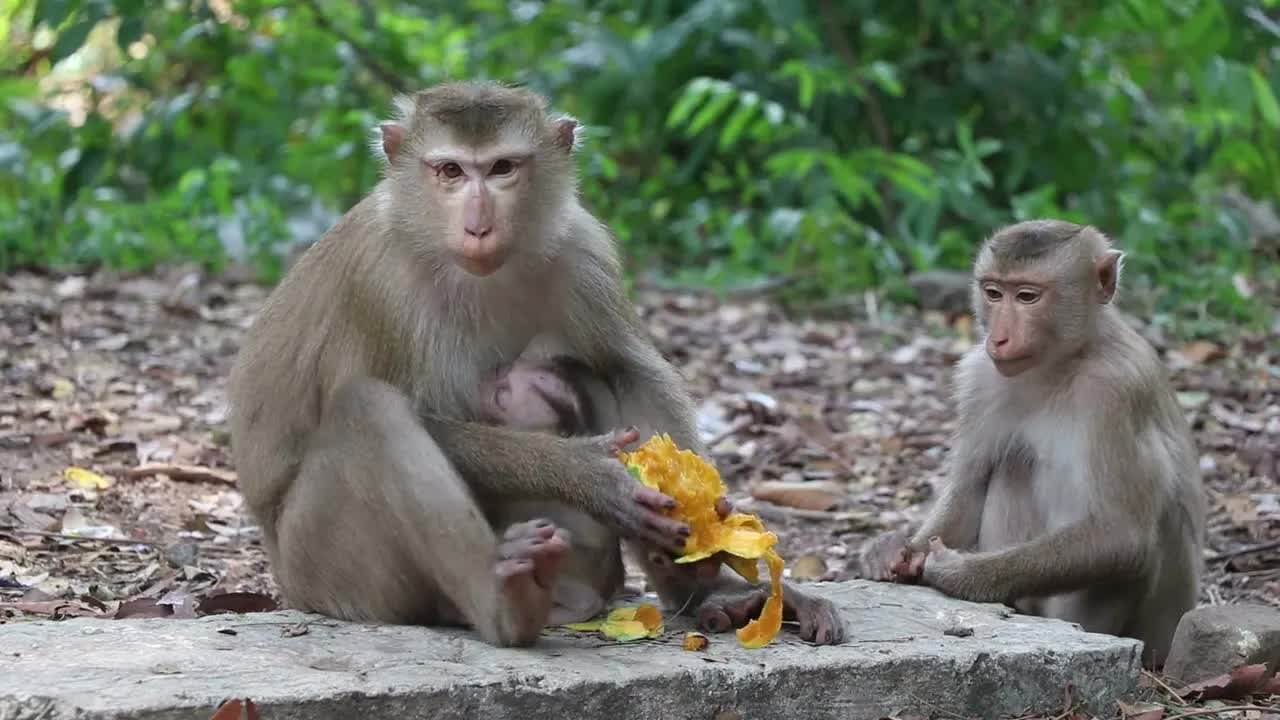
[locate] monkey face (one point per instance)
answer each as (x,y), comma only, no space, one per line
(479,190)
(1016,311)
(471,163)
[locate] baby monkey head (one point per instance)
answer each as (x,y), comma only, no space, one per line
(1038,289)
(478,173)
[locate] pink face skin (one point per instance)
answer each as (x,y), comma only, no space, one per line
(529,398)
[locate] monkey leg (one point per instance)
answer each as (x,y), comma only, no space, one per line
(592,572)
(378,526)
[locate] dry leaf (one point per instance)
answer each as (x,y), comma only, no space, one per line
(87,479)
(142,608)
(235,710)
(62,388)
(183,473)
(238,603)
(1202,351)
(1238,684)
(1140,710)
(695,641)
(802,495)
(808,567)
(1242,509)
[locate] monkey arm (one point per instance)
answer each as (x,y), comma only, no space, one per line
(608,334)
(1089,553)
(499,465)
(957,516)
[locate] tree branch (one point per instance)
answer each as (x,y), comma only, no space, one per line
(367,58)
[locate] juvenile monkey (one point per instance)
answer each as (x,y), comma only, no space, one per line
(352,427)
(1073,488)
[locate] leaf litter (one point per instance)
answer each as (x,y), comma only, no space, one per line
(117,491)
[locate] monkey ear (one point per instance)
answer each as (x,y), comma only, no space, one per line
(1108,269)
(568,133)
(392,139)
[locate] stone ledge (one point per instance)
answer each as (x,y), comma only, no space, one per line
(899,659)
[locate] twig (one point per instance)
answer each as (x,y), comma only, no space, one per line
(369,60)
(1173,694)
(766,508)
(1248,550)
(740,423)
(188,473)
(64,536)
(1199,712)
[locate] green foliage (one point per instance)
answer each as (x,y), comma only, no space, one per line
(840,144)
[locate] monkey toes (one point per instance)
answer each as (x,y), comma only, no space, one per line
(529,561)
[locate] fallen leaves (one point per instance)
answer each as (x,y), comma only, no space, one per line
(87,479)
(1241,683)
(823,496)
(236,709)
(183,473)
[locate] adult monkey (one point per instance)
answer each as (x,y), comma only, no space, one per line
(1074,488)
(352,419)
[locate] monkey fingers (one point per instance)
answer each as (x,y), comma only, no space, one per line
(529,561)
(882,557)
(646,522)
(908,566)
(620,439)
(721,614)
(818,619)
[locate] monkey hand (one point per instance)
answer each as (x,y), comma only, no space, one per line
(700,572)
(632,509)
(889,557)
(943,568)
(733,608)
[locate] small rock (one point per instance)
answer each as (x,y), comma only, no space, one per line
(47,502)
(182,554)
(944,290)
(1210,641)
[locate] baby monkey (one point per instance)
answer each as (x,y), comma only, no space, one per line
(1073,490)
(563,396)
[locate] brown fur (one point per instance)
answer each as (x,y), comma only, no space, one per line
(352,417)
(1074,488)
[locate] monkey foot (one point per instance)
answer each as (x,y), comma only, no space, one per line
(529,562)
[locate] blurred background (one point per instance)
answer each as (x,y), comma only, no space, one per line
(819,149)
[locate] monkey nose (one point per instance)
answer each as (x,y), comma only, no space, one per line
(478,231)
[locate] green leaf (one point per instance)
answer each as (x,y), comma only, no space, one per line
(71,39)
(712,110)
(1265,99)
(53,12)
(694,95)
(129,32)
(737,122)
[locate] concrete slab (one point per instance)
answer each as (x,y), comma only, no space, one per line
(912,651)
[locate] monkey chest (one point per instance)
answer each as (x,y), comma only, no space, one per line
(1037,486)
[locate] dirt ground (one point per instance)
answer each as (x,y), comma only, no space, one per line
(843,425)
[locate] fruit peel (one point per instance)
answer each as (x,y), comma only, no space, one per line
(625,624)
(696,486)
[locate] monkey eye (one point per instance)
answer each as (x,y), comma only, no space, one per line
(450,170)
(993,293)
(1027,296)
(502,167)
